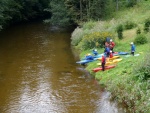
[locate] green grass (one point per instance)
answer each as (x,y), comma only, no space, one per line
(121,81)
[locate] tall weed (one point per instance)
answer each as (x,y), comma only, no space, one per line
(94,40)
(77,36)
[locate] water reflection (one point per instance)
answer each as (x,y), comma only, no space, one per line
(38,74)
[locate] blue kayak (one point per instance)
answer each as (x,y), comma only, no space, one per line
(95,56)
(123,53)
(83,62)
(98,56)
(132,55)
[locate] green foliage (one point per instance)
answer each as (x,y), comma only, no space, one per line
(76,36)
(129,25)
(147,25)
(142,70)
(131,3)
(138,31)
(140,39)
(13,11)
(89,25)
(94,40)
(127,87)
(59,13)
(119,31)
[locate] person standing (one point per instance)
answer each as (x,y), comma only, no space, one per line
(103,61)
(112,45)
(107,51)
(89,57)
(132,48)
(95,52)
(111,54)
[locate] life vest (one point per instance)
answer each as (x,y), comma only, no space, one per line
(103,59)
(112,44)
(111,55)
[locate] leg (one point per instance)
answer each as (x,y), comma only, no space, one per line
(103,66)
(132,53)
(112,50)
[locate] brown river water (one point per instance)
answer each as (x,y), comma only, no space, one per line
(38,74)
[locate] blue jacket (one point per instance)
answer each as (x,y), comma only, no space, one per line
(107,50)
(89,57)
(132,48)
(95,52)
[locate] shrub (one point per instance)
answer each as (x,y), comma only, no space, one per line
(131,3)
(140,39)
(138,31)
(147,25)
(119,31)
(129,25)
(94,40)
(76,36)
(142,71)
(89,25)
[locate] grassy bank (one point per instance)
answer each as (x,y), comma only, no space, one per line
(129,81)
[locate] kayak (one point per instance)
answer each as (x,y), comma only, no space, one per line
(83,62)
(95,56)
(114,57)
(100,68)
(117,60)
(123,53)
(98,56)
(111,62)
(132,55)
(107,63)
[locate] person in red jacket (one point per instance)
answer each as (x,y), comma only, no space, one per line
(112,45)
(103,61)
(111,54)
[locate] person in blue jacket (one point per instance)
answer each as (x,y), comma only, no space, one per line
(107,51)
(89,57)
(132,48)
(95,52)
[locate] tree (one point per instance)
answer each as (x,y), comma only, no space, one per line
(59,14)
(13,11)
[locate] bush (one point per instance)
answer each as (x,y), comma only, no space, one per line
(147,25)
(142,71)
(119,31)
(77,36)
(129,25)
(94,40)
(89,25)
(131,3)
(138,31)
(140,39)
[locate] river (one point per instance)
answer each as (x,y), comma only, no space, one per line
(38,74)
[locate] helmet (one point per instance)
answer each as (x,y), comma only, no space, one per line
(131,42)
(89,54)
(110,40)
(95,50)
(111,51)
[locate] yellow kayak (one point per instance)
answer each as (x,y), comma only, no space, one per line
(111,62)
(114,57)
(107,63)
(117,60)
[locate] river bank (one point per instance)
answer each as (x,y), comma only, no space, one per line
(122,81)
(128,82)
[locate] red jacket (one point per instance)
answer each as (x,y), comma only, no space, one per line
(112,44)
(103,59)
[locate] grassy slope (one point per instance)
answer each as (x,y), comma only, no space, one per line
(121,80)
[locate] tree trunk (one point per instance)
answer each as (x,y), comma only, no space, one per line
(81,10)
(117,5)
